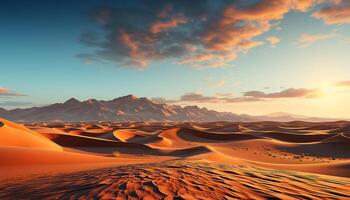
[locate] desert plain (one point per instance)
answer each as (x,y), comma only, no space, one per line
(168,160)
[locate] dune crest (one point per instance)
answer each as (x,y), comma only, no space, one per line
(12,134)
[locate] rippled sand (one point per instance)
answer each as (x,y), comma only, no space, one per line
(181,180)
(139,160)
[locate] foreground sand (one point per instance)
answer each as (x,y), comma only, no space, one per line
(181,180)
(182,160)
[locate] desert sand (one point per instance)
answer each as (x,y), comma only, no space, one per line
(141,160)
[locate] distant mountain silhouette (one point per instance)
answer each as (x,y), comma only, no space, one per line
(126,108)
(287,117)
(129,108)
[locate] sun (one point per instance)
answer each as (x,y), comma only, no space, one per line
(328,90)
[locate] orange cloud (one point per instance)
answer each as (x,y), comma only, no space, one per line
(306,40)
(195,97)
(134,49)
(4,92)
(237,27)
(194,33)
(197,58)
(255,95)
(232,36)
(250,44)
(302,5)
(337,14)
(273,40)
(165,11)
(199,98)
(211,59)
(161,26)
(288,93)
(342,83)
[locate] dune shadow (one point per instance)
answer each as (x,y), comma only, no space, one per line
(292,138)
(194,135)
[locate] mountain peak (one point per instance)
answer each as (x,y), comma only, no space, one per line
(71,101)
(91,101)
(195,107)
(130,96)
(127,97)
(144,99)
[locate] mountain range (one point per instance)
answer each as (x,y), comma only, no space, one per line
(132,108)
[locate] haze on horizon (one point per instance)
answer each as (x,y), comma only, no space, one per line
(253,57)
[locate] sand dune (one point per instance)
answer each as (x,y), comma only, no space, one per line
(111,148)
(26,156)
(340,168)
(294,138)
(186,137)
(89,143)
(16,135)
(199,148)
(196,135)
(126,135)
(21,162)
(343,129)
(340,138)
(227,128)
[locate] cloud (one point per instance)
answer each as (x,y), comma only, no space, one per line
(162,26)
(287,93)
(342,84)
(138,57)
(15,103)
(219,83)
(246,45)
(199,98)
(193,33)
(162,100)
(251,96)
(243,99)
(194,97)
(213,83)
(338,13)
(4,92)
(273,40)
(306,40)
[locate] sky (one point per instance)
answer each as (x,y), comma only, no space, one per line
(245,56)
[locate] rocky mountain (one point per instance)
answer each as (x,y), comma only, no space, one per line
(131,108)
(126,108)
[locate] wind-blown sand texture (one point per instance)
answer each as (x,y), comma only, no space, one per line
(217,160)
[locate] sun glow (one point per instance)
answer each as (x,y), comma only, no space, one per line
(331,90)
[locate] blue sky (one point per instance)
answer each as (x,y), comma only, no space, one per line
(40,47)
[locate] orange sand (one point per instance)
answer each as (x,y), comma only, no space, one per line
(234,160)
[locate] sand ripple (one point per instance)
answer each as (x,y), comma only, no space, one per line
(180,180)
